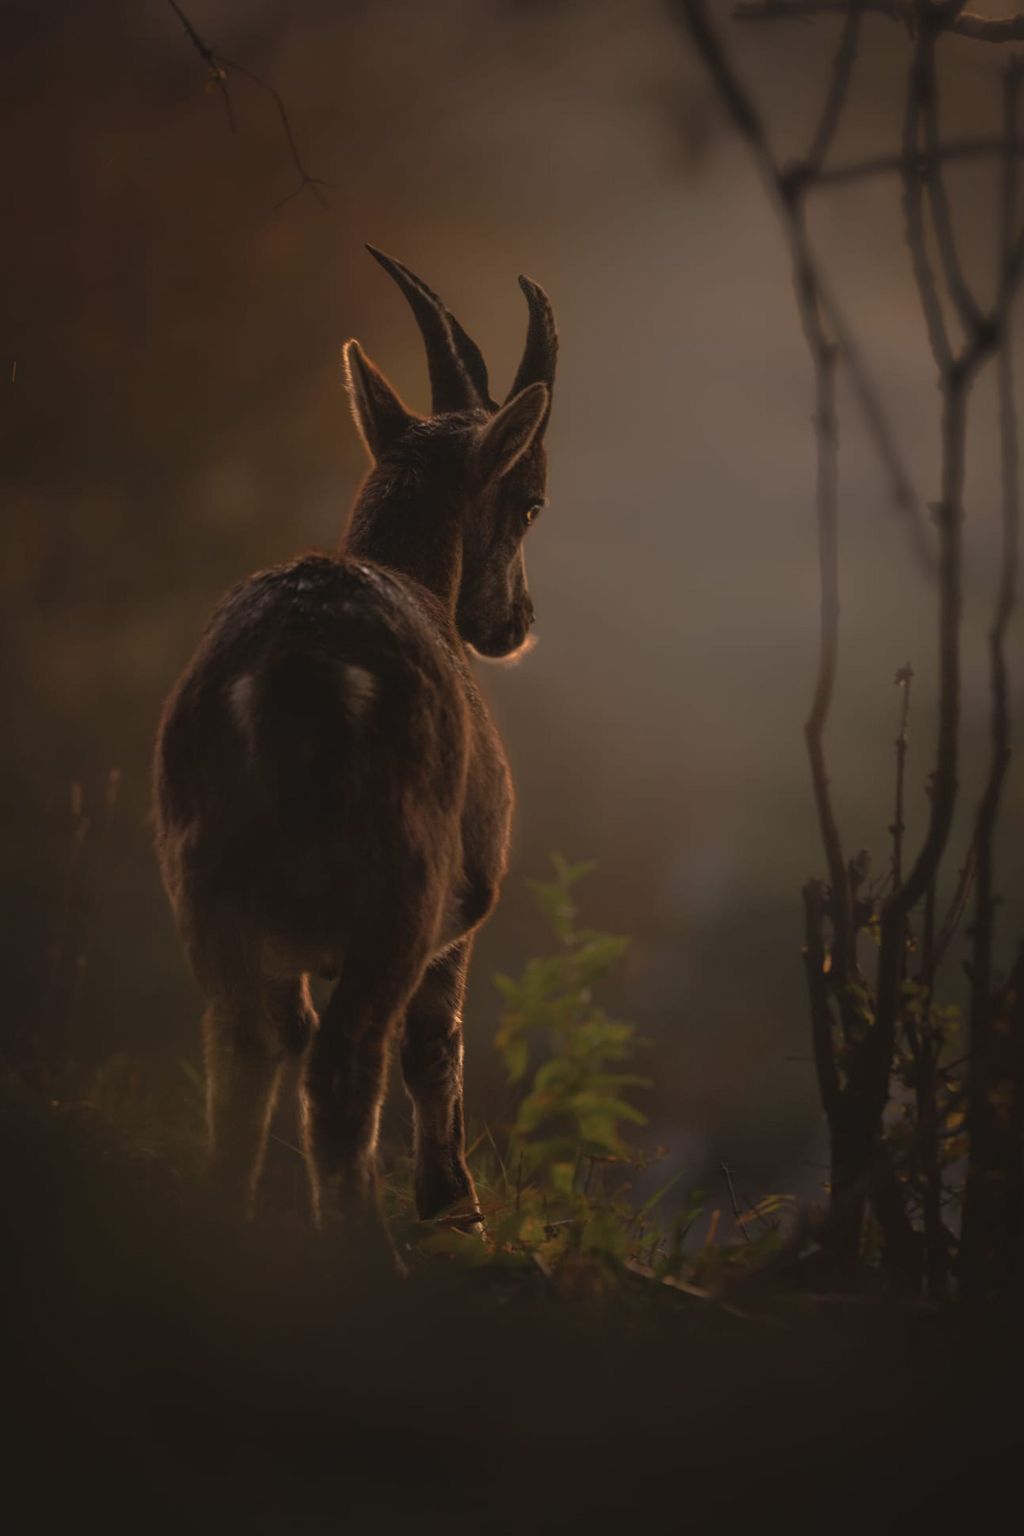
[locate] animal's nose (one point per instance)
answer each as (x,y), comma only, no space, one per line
(530,614)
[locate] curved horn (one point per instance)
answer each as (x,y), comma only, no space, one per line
(458,374)
(472,361)
(541,350)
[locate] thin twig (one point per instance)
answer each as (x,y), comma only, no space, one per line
(942,217)
(990,1181)
(905,498)
(308,183)
(846,1106)
(903,680)
(822,1043)
(842,68)
(956,374)
(219,68)
(915,175)
(785,193)
(214,66)
(954,912)
(983,29)
(733,1201)
(856,1108)
(784,187)
(897,165)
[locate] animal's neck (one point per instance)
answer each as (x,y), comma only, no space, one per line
(394,524)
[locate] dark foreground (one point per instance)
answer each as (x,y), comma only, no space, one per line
(164,1374)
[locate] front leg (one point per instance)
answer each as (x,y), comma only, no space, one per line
(432,1068)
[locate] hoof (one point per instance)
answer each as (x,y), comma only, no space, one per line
(461,1215)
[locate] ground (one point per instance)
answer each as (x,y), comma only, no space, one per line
(173,1371)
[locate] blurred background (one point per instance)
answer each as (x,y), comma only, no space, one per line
(173,418)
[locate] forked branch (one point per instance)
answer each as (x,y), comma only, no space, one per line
(898,165)
(784,187)
(992,1204)
(856,1105)
(219,70)
(957,370)
(983,29)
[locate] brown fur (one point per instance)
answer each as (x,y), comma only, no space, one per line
(332,796)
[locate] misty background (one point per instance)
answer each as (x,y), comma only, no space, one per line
(173,418)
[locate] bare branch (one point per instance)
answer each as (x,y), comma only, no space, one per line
(219,68)
(905,498)
(842,68)
(983,29)
(785,193)
(827,432)
(215,70)
(308,183)
(914,180)
(903,680)
(886,165)
(856,1105)
(741,108)
(1007,597)
(954,915)
(904,898)
(817,988)
(955,377)
(1011,248)
(784,187)
(993,1057)
(935,181)
(737,1216)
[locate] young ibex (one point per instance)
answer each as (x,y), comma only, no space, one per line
(332,797)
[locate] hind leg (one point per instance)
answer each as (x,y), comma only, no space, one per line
(432,1068)
(344,1084)
(248,1036)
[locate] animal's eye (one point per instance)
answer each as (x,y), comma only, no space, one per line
(531,512)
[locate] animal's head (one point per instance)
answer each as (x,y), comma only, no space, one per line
(487,459)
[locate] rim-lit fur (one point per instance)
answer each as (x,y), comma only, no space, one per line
(332,797)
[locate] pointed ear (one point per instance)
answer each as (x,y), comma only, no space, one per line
(507,436)
(377,409)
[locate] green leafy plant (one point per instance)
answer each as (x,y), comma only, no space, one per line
(559,1198)
(575,1112)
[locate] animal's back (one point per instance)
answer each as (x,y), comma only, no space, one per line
(319,738)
